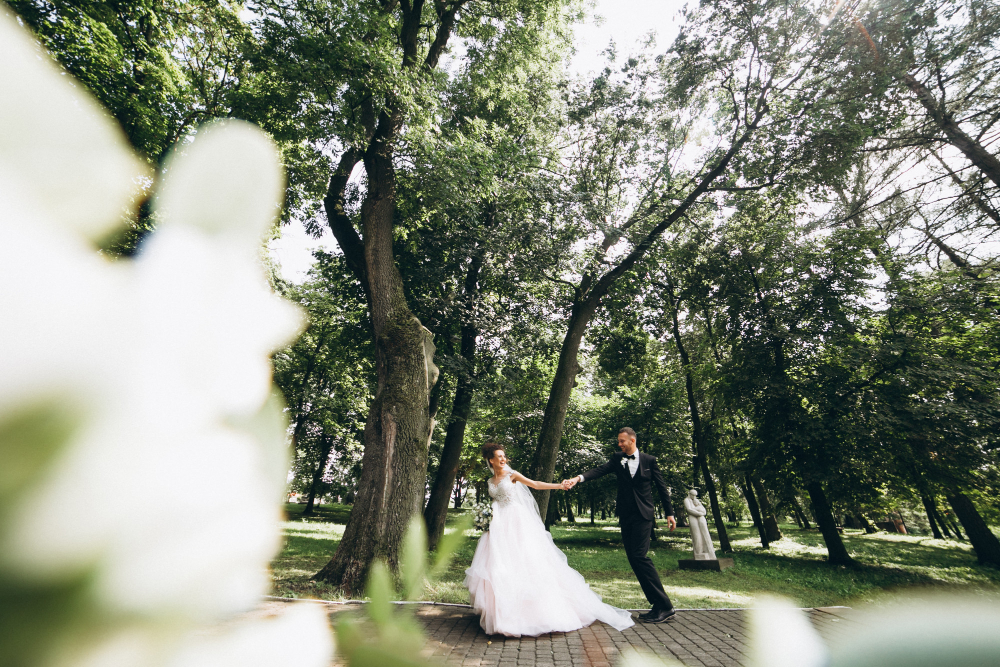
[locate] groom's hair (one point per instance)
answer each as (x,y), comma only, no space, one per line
(627,429)
(489,449)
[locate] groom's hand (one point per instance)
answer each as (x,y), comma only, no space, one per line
(671,522)
(568,483)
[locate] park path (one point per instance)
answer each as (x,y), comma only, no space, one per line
(694,637)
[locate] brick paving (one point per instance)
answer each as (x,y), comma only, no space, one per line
(694,637)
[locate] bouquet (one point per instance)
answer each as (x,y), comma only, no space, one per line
(483,514)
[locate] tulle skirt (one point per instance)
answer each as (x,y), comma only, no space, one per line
(520,583)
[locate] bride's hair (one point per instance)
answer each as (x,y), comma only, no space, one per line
(489,449)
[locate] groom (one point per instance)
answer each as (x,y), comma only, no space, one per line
(636,472)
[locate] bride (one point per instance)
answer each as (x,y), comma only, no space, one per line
(519,581)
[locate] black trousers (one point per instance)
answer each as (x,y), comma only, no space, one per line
(635,536)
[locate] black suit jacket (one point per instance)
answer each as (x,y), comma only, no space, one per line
(640,485)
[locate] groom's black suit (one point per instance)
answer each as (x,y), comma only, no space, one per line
(635,515)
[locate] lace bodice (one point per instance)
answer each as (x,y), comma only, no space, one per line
(503,491)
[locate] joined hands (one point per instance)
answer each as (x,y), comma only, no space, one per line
(568,484)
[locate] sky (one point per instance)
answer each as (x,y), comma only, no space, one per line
(625,22)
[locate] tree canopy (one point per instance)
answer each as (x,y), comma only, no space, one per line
(767,246)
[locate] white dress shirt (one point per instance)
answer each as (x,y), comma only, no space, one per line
(631,464)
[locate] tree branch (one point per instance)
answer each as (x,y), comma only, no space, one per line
(340,223)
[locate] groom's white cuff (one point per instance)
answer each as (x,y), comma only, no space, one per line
(579,478)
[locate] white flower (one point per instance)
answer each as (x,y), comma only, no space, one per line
(164,496)
(782,636)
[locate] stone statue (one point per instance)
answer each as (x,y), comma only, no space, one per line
(702,540)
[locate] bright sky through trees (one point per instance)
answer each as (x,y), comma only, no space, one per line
(624,22)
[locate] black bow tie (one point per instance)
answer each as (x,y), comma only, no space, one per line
(630,456)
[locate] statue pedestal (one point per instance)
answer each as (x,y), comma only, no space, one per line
(713,565)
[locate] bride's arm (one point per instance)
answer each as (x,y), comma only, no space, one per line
(518,477)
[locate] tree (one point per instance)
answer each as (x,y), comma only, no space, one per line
(749,63)
(365,78)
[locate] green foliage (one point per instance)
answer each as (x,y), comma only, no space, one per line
(326,377)
(159,67)
(389,634)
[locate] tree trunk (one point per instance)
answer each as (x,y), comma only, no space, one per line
(318,474)
(800,516)
(798,519)
(399,426)
(555,409)
(801,512)
(950,516)
(942,523)
(980,203)
(454,440)
(552,515)
(593,513)
(569,510)
(929,509)
(984,542)
(837,552)
(976,153)
(720,525)
(766,512)
(755,512)
(436,511)
(398,429)
(867,525)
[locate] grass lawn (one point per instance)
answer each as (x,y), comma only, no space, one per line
(794,567)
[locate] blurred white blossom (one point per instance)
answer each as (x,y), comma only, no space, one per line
(142,456)
(781,635)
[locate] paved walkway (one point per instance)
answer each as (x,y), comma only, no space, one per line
(694,637)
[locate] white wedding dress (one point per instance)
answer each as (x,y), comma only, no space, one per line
(519,581)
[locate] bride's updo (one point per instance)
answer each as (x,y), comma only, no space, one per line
(489,449)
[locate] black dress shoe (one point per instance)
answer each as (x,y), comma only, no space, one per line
(660,616)
(648,614)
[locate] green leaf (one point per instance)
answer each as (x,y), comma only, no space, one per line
(380,593)
(413,563)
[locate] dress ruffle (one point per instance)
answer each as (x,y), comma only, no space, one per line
(521,584)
